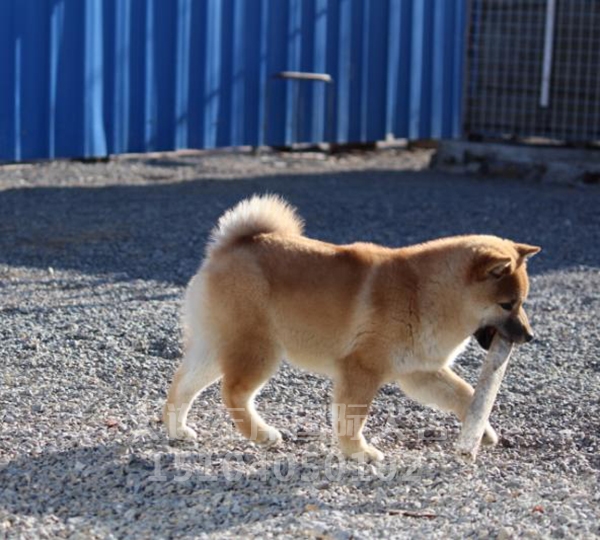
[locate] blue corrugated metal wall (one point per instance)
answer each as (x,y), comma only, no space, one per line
(96,77)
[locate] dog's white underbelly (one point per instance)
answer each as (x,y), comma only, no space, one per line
(315,364)
(309,350)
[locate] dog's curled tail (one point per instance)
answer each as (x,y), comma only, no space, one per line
(256,215)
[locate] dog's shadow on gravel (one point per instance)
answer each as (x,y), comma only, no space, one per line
(158,231)
(107,489)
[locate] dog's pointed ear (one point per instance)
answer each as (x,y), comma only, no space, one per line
(526,251)
(491,266)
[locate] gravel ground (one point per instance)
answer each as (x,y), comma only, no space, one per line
(93,261)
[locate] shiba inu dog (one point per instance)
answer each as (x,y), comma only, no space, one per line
(362,314)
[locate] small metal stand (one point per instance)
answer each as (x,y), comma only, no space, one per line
(300,76)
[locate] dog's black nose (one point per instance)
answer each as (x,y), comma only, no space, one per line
(528,336)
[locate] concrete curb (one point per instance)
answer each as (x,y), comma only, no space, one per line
(555,165)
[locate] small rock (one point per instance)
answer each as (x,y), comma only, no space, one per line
(506,533)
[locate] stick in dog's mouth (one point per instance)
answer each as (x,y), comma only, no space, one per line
(487,388)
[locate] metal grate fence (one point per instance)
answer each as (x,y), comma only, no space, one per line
(534,69)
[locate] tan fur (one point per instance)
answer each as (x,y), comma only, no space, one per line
(362,314)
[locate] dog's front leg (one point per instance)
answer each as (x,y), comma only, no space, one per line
(445,390)
(354,390)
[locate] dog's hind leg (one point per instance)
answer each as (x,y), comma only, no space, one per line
(246,369)
(354,390)
(198,370)
(445,390)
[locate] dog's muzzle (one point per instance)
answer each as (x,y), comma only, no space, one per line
(512,331)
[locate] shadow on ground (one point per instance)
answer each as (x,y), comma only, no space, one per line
(159,231)
(105,489)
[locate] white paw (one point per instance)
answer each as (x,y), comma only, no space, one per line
(490,437)
(372,454)
(369,454)
(183,433)
(268,437)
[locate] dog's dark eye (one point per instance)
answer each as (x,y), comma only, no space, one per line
(507,306)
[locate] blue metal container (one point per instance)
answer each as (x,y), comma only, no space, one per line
(96,77)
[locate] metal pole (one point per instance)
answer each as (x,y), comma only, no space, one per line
(548,53)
